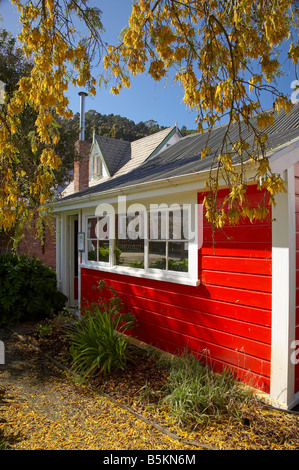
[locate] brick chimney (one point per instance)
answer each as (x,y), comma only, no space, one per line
(81,167)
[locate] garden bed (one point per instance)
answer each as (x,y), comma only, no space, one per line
(140,386)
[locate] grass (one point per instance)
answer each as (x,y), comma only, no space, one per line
(194,393)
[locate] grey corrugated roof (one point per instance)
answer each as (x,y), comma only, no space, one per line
(121,156)
(142,149)
(113,151)
(184,157)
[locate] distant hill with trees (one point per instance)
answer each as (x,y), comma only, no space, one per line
(114,126)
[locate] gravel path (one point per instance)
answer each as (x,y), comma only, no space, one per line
(45,409)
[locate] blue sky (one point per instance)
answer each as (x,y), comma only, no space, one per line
(146,99)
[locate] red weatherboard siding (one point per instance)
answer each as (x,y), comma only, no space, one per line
(228,315)
(242,264)
(297,269)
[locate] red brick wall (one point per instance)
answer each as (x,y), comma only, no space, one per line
(5,243)
(32,245)
(81,168)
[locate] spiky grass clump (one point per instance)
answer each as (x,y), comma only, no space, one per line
(98,342)
(194,393)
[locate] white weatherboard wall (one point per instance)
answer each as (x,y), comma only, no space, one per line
(283,294)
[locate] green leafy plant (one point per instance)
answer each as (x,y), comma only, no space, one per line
(28,290)
(98,342)
(104,255)
(181,265)
(44,330)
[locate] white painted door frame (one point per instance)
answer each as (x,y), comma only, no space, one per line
(283,295)
(65,252)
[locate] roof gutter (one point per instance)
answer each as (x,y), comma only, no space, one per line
(198,179)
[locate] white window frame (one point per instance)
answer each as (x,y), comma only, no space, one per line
(180,277)
(168,240)
(92,263)
(93,166)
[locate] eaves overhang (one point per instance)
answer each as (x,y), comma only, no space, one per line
(179,183)
(285,156)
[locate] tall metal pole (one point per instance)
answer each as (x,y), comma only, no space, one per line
(82,95)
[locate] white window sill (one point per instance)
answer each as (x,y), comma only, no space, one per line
(154,274)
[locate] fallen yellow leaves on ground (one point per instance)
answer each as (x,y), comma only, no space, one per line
(75,418)
(46,409)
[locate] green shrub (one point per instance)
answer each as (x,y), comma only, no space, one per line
(181,265)
(28,290)
(98,340)
(104,255)
(44,330)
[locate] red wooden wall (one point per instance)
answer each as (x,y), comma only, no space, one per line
(297,270)
(228,315)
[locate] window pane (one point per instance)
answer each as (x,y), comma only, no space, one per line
(130,253)
(175,224)
(178,256)
(157,255)
(158,225)
(98,169)
(129,240)
(103,252)
(178,224)
(102,228)
(98,251)
(92,250)
(91,227)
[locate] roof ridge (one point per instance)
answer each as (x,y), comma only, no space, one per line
(169,129)
(111,138)
(154,133)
